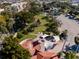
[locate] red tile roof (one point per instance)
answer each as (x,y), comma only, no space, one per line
(29,46)
(47,54)
(26,44)
(34,57)
(37,47)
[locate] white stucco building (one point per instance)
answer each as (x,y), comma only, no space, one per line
(16,7)
(41,1)
(75,2)
(19,6)
(1,10)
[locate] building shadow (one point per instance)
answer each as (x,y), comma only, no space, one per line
(74,48)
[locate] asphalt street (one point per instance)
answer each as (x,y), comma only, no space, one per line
(73,29)
(71,25)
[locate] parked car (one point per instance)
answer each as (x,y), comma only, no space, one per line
(67,15)
(71,16)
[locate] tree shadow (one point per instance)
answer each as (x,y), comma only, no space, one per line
(74,48)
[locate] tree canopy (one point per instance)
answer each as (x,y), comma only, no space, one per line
(12,49)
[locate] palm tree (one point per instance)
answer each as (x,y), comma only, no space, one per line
(76,39)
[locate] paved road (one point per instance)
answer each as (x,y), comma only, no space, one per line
(73,29)
(71,25)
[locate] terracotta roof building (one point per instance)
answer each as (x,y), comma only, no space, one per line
(46,55)
(38,49)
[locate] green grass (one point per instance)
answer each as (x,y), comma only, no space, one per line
(40,28)
(66,10)
(30,35)
(77,16)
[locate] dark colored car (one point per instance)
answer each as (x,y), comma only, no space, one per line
(71,17)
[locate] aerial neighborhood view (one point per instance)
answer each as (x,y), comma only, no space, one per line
(39,29)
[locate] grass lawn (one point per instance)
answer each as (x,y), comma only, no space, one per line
(77,16)
(40,28)
(66,10)
(30,35)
